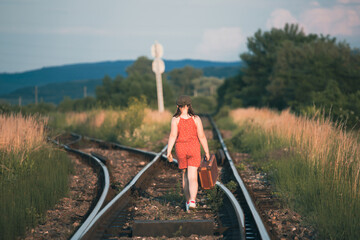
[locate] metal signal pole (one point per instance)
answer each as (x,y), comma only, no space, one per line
(158,67)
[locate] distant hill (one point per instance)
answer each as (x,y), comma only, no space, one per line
(56,82)
(46,75)
(53,92)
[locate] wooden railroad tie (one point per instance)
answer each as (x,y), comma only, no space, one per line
(172,228)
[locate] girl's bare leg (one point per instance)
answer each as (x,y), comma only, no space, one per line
(193,182)
(185,185)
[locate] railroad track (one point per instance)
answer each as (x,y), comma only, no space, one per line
(103,178)
(254,226)
(118,218)
(236,219)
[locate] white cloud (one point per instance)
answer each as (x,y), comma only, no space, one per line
(348,1)
(338,20)
(220,43)
(279,18)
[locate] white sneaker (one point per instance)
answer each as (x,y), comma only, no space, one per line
(187,206)
(192,204)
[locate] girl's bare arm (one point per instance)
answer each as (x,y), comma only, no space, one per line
(202,137)
(172,138)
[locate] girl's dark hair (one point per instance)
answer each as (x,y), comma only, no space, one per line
(190,111)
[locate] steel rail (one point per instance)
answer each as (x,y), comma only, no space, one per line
(105,181)
(123,147)
(239,212)
(131,149)
(101,200)
(258,221)
(96,217)
(113,202)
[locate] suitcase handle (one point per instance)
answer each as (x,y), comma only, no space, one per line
(211,162)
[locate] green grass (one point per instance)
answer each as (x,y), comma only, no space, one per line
(224,121)
(30,188)
(127,126)
(143,135)
(214,198)
(326,202)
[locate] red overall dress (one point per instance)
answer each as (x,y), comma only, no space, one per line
(187,145)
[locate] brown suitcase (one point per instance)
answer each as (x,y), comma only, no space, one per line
(208,173)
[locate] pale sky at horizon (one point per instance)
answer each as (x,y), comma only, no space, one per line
(41,33)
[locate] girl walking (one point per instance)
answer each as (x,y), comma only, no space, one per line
(186,132)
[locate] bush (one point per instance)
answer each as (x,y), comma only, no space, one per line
(204,104)
(223,120)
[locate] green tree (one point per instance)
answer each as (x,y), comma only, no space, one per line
(230,92)
(182,79)
(105,91)
(139,82)
(141,66)
(331,99)
(286,68)
(261,57)
(298,71)
(353,107)
(206,86)
(320,73)
(66,105)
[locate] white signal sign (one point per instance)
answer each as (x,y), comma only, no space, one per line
(158,65)
(157,50)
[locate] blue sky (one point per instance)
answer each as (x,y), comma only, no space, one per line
(39,33)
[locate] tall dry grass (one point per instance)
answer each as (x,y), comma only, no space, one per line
(33,174)
(136,125)
(96,118)
(19,133)
(156,117)
(318,139)
(313,164)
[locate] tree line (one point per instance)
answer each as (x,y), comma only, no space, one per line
(286,68)
(139,83)
(283,68)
